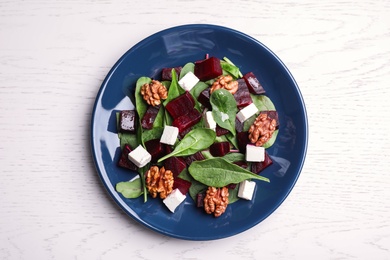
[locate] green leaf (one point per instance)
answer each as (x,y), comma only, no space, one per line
(262,102)
(196,140)
(271,141)
(233,194)
(218,172)
(235,69)
(140,104)
(154,133)
(234,157)
(224,109)
(174,89)
(198,88)
(130,139)
(187,68)
(230,69)
(130,190)
(195,188)
(159,120)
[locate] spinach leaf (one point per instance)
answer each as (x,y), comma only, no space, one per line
(218,172)
(232,69)
(224,109)
(130,190)
(262,102)
(174,89)
(130,139)
(140,104)
(154,133)
(271,141)
(198,88)
(141,172)
(196,140)
(233,194)
(195,188)
(187,68)
(159,120)
(234,157)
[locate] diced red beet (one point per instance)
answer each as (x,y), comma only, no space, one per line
(208,69)
(242,140)
(204,98)
(198,156)
(186,121)
(175,164)
(239,125)
(242,164)
(149,117)
(166,73)
(242,96)
(127,121)
(273,115)
(181,105)
(231,186)
(124,161)
(200,200)
(257,167)
(221,131)
(155,148)
(253,84)
(219,149)
(182,185)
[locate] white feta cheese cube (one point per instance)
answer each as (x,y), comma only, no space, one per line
(247,112)
(174,199)
(209,120)
(169,135)
(188,81)
(254,153)
(246,189)
(139,156)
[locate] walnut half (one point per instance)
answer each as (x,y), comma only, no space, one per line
(225,82)
(159,181)
(216,200)
(262,129)
(154,92)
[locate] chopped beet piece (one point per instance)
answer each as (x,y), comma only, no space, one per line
(242,164)
(221,131)
(273,115)
(127,121)
(257,167)
(204,98)
(166,73)
(253,84)
(182,185)
(220,149)
(181,105)
(242,96)
(239,125)
(198,156)
(149,117)
(124,159)
(175,164)
(231,186)
(186,121)
(208,69)
(243,140)
(155,148)
(200,200)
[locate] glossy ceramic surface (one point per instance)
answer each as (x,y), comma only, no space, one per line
(175,47)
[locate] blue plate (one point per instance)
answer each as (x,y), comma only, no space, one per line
(175,47)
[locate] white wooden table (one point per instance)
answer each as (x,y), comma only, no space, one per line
(54,56)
